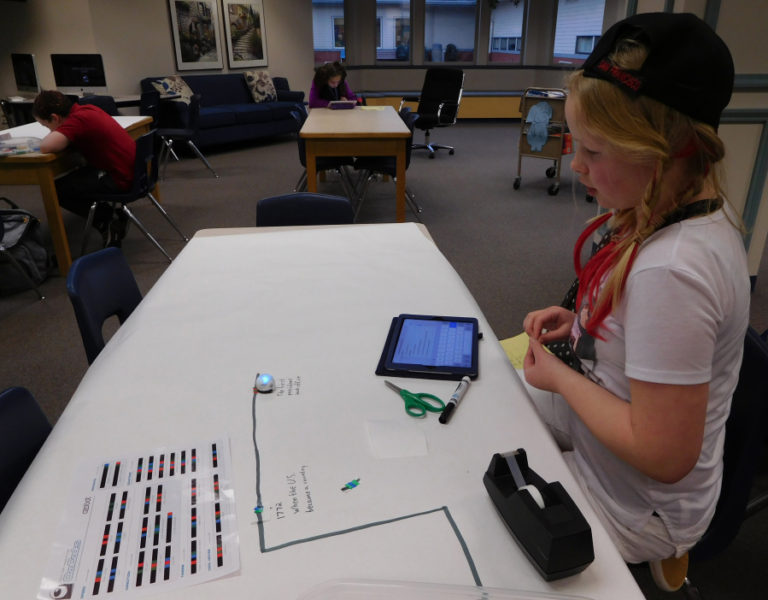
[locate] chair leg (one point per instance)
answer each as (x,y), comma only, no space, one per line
(159,207)
(366,180)
(690,591)
(146,233)
(191,144)
(362,180)
(169,144)
(451,149)
(347,183)
(301,184)
(88,225)
(163,158)
(425,146)
(411,200)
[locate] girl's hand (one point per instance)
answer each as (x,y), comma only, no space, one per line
(556,320)
(544,370)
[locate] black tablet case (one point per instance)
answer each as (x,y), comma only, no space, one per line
(382,370)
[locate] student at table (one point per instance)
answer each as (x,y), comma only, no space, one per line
(665,301)
(107,149)
(329,83)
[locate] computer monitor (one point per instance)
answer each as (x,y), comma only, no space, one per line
(79,73)
(25,72)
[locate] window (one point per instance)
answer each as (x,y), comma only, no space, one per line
(328,30)
(586,43)
(579,25)
(449,30)
(393,22)
(338,32)
(506,32)
(505,44)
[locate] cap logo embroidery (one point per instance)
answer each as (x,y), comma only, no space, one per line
(619,75)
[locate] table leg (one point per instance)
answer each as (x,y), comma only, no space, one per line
(400,187)
(311,167)
(55,221)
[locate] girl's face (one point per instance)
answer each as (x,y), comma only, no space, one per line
(334,81)
(608,176)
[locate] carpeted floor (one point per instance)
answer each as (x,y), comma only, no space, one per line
(512,248)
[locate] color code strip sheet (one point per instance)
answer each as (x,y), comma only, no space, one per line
(161,520)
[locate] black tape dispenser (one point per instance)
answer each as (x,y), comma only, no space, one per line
(542,517)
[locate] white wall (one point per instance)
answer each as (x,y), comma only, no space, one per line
(134,39)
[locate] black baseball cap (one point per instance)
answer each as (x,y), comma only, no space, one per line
(688,67)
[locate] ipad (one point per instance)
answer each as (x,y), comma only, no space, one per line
(341,104)
(435,345)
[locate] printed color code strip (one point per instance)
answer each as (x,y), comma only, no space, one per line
(97,579)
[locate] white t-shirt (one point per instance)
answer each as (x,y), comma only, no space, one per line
(682,320)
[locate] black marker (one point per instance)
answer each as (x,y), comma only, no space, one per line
(454,400)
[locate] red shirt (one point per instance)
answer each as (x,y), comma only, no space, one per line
(102,141)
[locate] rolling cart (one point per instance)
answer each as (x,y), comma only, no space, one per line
(542,131)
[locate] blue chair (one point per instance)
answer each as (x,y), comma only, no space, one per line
(371,166)
(325,163)
(304,208)
(23,429)
(746,431)
(105,103)
(101,285)
(144,181)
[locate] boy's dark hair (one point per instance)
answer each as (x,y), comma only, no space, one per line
(49,103)
(324,72)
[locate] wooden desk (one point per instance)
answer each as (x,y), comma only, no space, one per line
(312,307)
(362,131)
(42,170)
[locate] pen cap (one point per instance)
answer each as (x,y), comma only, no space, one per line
(446,414)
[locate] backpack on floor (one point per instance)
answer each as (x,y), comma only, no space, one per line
(22,250)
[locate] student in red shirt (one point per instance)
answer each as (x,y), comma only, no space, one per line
(107,149)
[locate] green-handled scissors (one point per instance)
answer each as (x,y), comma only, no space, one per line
(417,405)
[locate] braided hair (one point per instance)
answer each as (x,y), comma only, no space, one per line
(651,133)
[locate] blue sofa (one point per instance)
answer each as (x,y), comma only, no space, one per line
(227,110)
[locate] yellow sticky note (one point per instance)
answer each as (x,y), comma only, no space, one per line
(516,348)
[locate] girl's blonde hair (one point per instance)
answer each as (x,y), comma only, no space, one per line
(651,133)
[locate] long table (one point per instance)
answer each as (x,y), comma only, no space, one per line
(329,477)
(362,131)
(42,170)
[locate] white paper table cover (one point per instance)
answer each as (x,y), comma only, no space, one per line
(312,306)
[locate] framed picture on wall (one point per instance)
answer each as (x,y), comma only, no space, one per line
(245,33)
(196,34)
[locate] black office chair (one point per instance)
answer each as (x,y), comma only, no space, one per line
(144,181)
(101,285)
(438,103)
(304,208)
(23,429)
(371,166)
(746,432)
(105,103)
(183,134)
(337,164)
